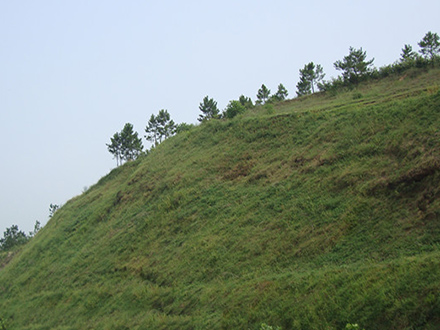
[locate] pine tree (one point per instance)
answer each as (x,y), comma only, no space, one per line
(131,143)
(209,109)
(430,45)
(309,76)
(281,93)
(166,125)
(303,86)
(354,65)
(316,76)
(115,148)
(245,101)
(407,54)
(160,127)
(125,145)
(263,94)
(152,130)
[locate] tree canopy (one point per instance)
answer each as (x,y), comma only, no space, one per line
(12,237)
(152,130)
(246,101)
(430,45)
(209,109)
(115,147)
(263,94)
(407,54)
(131,143)
(354,65)
(125,145)
(281,93)
(309,76)
(233,109)
(160,127)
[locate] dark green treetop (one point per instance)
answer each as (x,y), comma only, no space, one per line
(246,101)
(12,237)
(263,94)
(152,130)
(115,147)
(233,109)
(131,143)
(430,45)
(407,54)
(125,145)
(209,109)
(281,93)
(160,127)
(354,65)
(303,86)
(309,76)
(167,127)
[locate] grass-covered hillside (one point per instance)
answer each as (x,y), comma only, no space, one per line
(310,214)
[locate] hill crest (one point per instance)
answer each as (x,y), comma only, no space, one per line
(318,212)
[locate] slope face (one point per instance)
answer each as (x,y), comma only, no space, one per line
(301,219)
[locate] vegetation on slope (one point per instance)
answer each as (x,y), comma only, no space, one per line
(312,214)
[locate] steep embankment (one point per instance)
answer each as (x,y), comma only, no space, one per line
(305,219)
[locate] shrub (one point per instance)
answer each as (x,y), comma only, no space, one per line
(233,109)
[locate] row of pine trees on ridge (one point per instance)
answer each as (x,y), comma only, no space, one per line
(355,67)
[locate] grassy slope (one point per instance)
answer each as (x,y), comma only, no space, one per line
(324,212)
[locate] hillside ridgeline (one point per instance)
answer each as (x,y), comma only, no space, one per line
(321,211)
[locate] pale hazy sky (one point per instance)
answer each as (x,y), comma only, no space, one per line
(72,73)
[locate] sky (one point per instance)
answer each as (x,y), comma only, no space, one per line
(72,73)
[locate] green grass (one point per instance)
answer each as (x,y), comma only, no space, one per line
(320,212)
